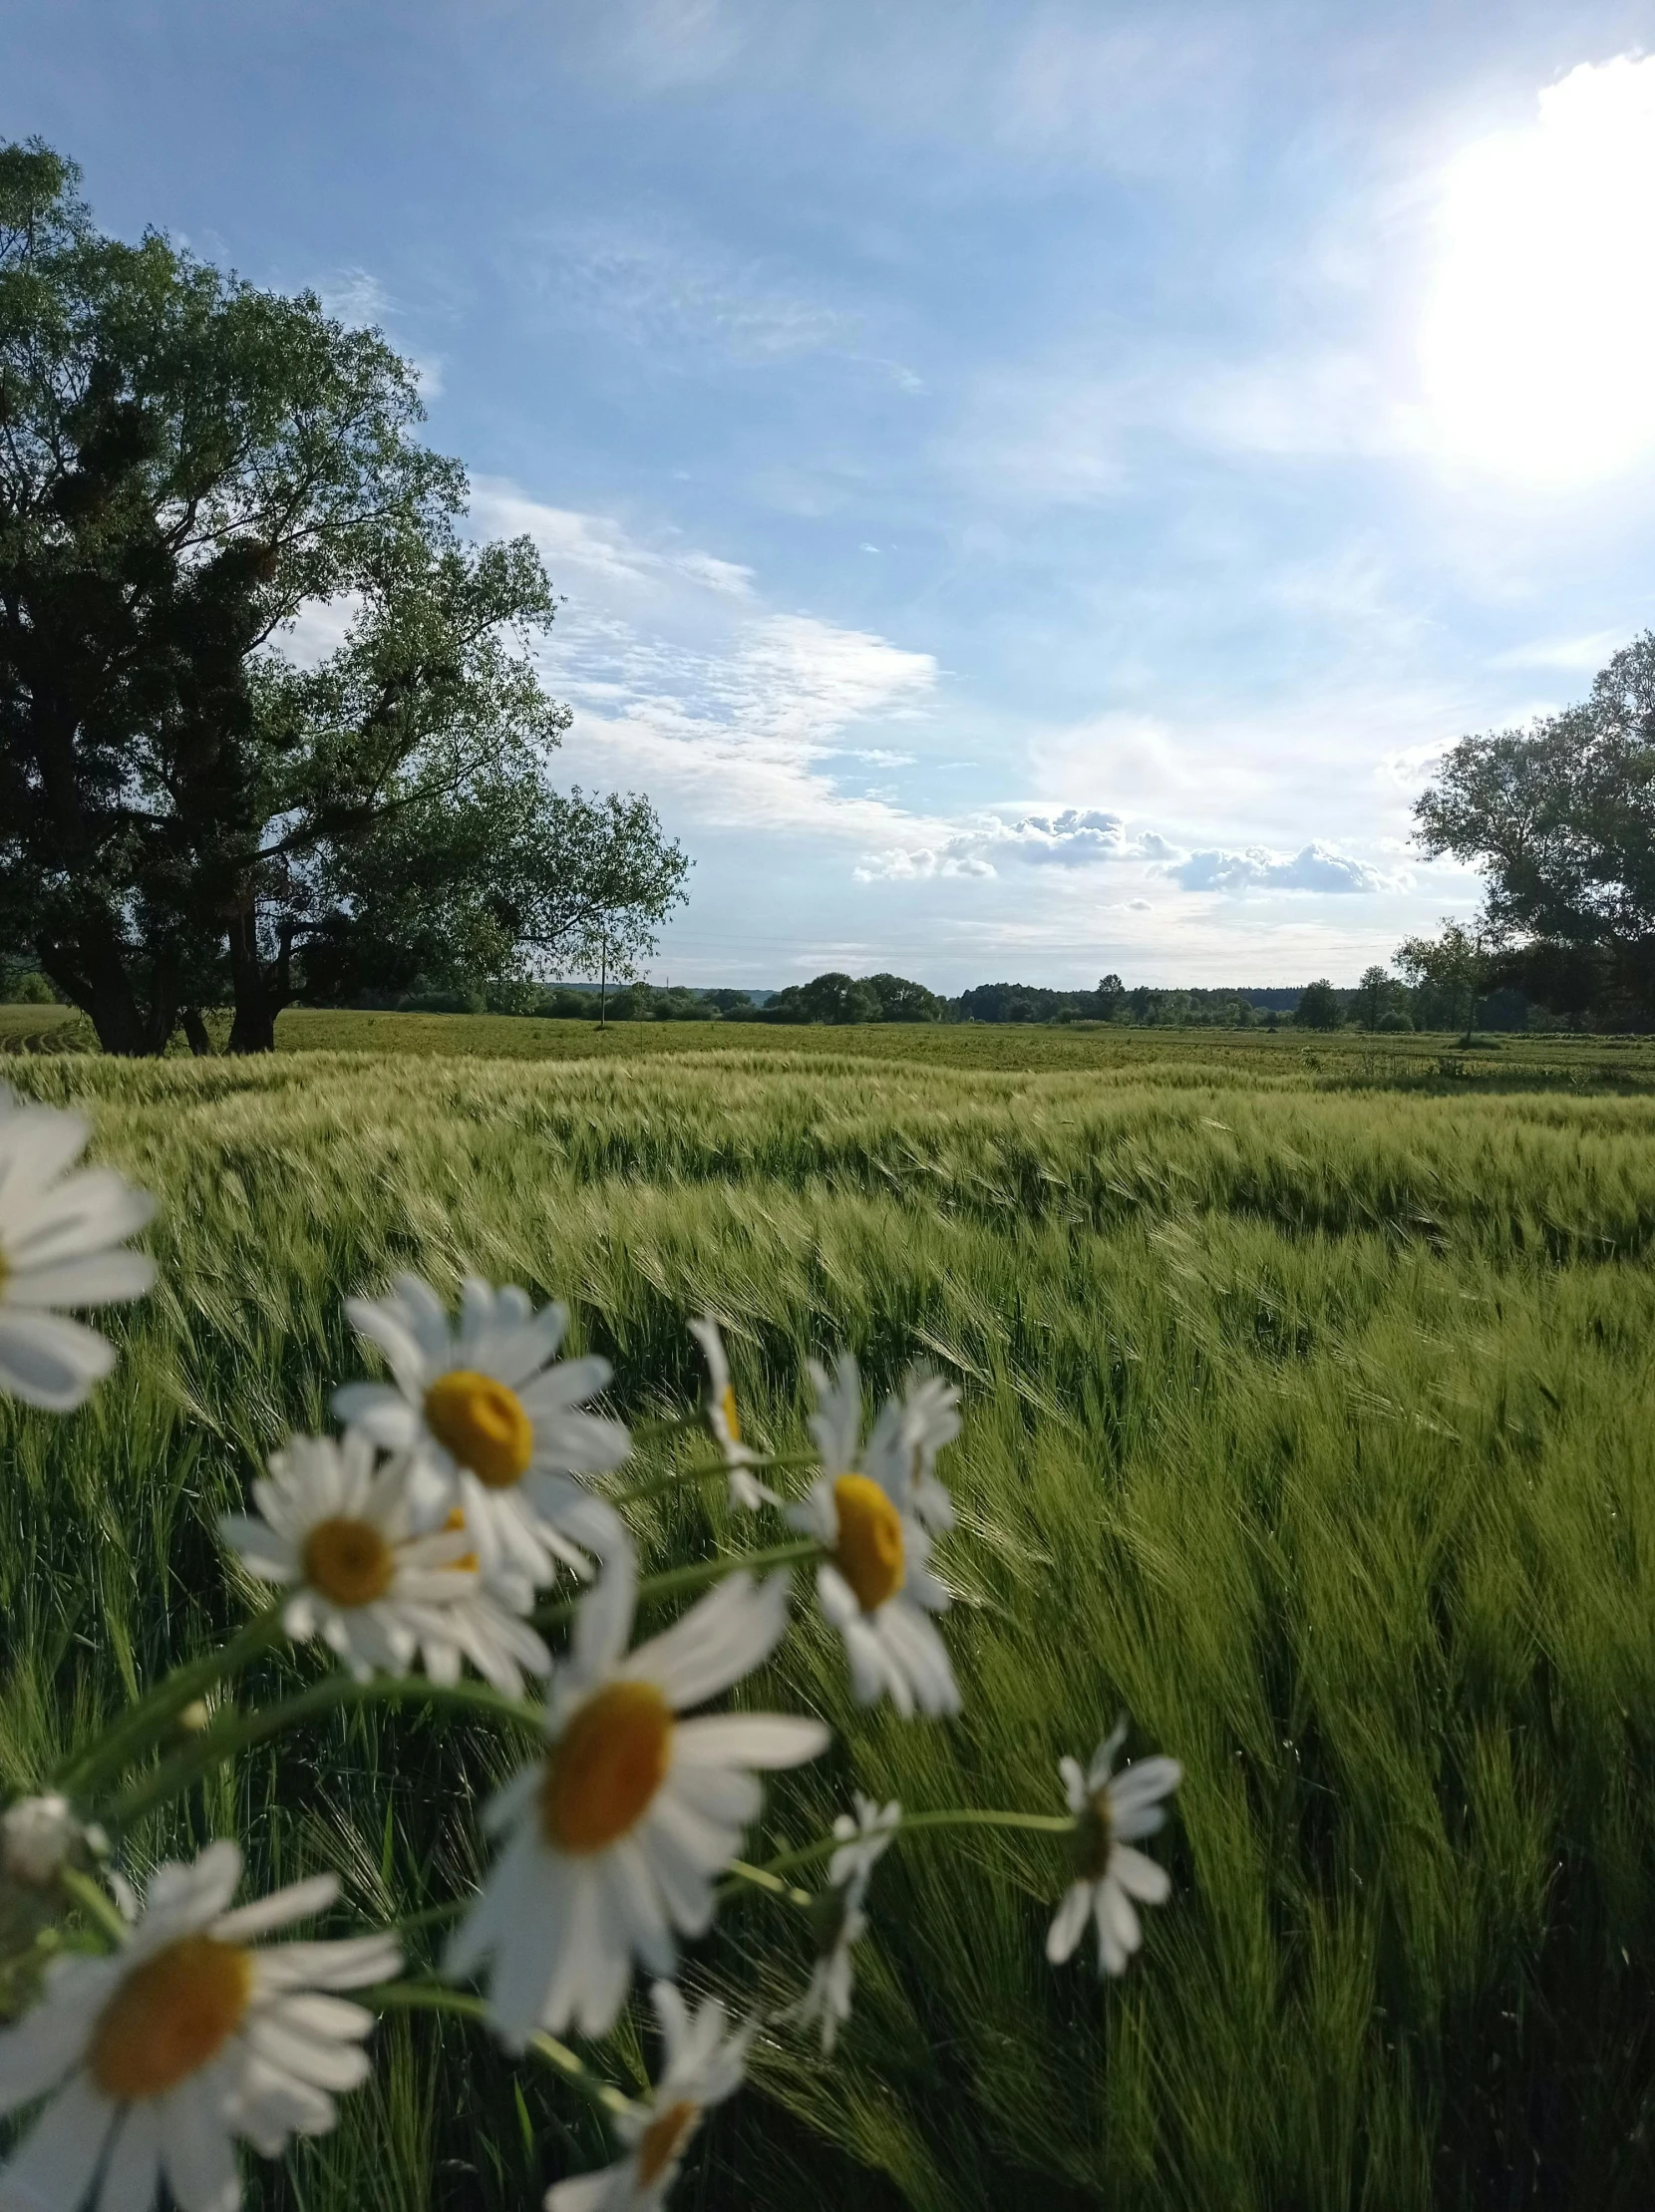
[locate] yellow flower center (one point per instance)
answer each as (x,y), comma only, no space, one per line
(732,1419)
(663,2139)
(348,1561)
(869,1549)
(482,1424)
(466,1562)
(170,2017)
(605,1769)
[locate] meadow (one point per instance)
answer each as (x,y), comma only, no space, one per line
(1308,1419)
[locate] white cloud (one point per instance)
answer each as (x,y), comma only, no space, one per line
(598,548)
(922,863)
(731,715)
(1316,868)
(1582,656)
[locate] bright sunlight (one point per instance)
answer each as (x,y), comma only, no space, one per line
(1538,341)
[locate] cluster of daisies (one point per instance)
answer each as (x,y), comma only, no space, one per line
(471,1481)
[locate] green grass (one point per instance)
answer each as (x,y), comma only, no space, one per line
(1308,1418)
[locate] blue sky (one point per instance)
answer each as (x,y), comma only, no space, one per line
(1034,485)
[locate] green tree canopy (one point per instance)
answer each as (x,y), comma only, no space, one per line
(1448,974)
(1376,996)
(1560,817)
(186,464)
(1320,1006)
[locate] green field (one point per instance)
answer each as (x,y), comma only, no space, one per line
(1309,1419)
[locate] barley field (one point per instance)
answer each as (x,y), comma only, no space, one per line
(1309,1419)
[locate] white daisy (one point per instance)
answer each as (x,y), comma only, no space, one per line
(876,1587)
(156,2057)
(497,1418)
(60,1236)
(724,1420)
(1113,1814)
(337,1529)
(611,1839)
(908,1435)
(929,1419)
(863,1838)
(840,1923)
(703,2066)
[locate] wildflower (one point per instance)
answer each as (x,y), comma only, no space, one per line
(1112,1813)
(496,1419)
(908,1435)
(335,1528)
(876,1587)
(61,1237)
(154,2058)
(840,1923)
(39,1836)
(724,1419)
(929,1419)
(704,2065)
(863,1838)
(613,1835)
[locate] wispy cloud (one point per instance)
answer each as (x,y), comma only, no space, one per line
(357,298)
(734,715)
(652,282)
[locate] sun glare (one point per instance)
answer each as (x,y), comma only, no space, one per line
(1539,344)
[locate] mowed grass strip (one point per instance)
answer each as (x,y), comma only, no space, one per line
(1311,1426)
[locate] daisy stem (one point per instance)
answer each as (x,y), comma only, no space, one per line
(143,1721)
(432,1997)
(959,1817)
(675,1580)
(708,1471)
(760,1878)
(92,1901)
(334,1693)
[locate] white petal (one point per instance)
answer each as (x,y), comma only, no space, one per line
(132,2175)
(603,1619)
(49,1362)
(197,2151)
(1144,1780)
(353,1962)
(298,1901)
(96,1279)
(1140,1876)
(60,2154)
(318,2060)
(1066,1930)
(748,1739)
(732,1630)
(40,2049)
(86,1213)
(1114,1909)
(610,2189)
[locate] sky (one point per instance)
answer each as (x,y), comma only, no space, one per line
(1034,487)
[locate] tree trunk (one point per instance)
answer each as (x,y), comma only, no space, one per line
(196,1034)
(259,998)
(92,976)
